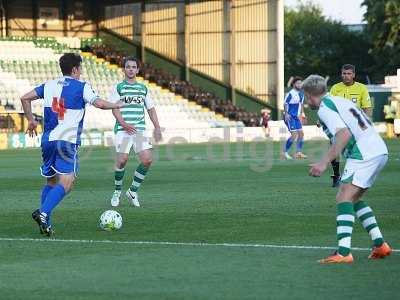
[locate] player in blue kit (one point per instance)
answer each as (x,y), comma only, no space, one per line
(293,106)
(65,99)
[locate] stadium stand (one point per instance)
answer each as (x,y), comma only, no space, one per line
(184,88)
(26,62)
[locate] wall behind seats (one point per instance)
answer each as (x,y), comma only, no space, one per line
(20,18)
(201,34)
(51,18)
(120,21)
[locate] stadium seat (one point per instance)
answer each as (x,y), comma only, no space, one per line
(25,63)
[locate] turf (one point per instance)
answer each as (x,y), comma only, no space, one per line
(193,193)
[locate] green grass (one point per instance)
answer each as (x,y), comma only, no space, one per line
(187,197)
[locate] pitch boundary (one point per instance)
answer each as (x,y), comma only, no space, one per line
(193,244)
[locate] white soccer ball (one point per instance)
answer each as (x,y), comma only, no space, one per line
(110,220)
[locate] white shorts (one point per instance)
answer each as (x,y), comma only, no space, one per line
(362,173)
(124,142)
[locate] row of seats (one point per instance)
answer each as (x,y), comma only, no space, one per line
(184,88)
(34,65)
(11,50)
(42,42)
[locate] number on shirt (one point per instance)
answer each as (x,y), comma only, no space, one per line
(361,118)
(58,107)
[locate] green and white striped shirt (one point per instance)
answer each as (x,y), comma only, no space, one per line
(137,95)
(336,113)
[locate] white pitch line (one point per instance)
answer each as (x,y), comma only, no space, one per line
(232,245)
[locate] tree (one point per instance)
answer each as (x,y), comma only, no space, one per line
(383,17)
(317,45)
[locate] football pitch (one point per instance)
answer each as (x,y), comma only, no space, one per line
(225,221)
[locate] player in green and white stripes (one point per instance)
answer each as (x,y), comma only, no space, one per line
(352,134)
(129,130)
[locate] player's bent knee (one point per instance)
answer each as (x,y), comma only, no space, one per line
(121,163)
(67,181)
(348,192)
(122,160)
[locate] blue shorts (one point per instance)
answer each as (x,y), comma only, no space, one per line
(59,157)
(294,124)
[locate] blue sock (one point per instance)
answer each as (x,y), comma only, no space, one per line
(45,190)
(53,198)
(299,145)
(288,144)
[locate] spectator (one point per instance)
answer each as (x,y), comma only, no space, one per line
(265,117)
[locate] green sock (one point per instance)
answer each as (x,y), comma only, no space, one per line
(118,176)
(138,178)
(344,223)
(368,221)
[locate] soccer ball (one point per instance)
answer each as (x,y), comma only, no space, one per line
(110,220)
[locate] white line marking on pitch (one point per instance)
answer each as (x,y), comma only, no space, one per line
(199,244)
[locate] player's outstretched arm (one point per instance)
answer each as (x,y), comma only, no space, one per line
(342,137)
(103,104)
(26,106)
(154,119)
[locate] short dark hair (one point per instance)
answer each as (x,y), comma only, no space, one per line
(349,67)
(68,61)
(295,78)
(130,58)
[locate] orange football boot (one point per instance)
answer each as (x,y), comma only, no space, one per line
(336,258)
(380,252)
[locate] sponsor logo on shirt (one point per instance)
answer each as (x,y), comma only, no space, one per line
(133,99)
